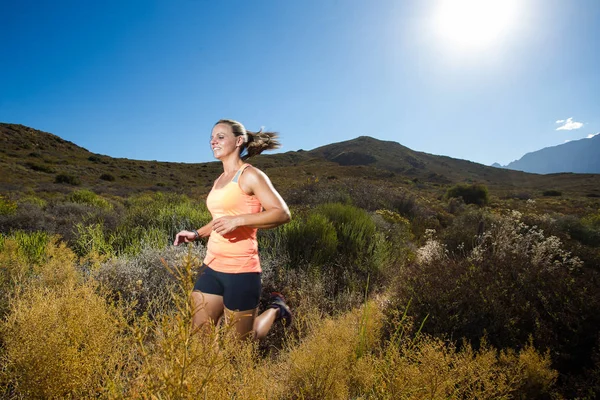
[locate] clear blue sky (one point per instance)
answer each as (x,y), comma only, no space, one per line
(147,79)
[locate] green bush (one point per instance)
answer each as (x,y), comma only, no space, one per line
(91,240)
(471,194)
(68,179)
(7,207)
(312,241)
(40,168)
(107,177)
(88,197)
(356,233)
(32,245)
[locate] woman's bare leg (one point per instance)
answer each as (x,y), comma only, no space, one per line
(263,323)
(207,308)
(250,326)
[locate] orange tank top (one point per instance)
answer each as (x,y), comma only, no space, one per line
(237,251)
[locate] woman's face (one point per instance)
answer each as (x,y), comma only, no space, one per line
(223,142)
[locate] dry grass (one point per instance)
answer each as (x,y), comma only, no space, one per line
(63,339)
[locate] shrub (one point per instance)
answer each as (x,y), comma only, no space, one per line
(28,217)
(32,246)
(466,229)
(356,233)
(169,212)
(88,197)
(181,362)
(142,279)
(586,230)
(91,240)
(471,194)
(61,343)
(552,193)
(345,357)
(65,216)
(40,168)
(515,283)
(312,241)
(7,207)
(68,179)
(107,177)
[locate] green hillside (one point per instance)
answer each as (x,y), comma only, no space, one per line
(32,160)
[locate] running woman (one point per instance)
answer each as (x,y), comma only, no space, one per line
(241,201)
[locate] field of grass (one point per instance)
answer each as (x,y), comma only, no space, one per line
(401,287)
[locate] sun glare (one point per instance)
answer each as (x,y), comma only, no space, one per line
(474,24)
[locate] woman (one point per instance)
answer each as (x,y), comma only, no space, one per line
(241,201)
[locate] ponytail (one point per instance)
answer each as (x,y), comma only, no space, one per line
(259,142)
(255,142)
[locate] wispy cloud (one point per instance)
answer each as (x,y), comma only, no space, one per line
(591,135)
(568,124)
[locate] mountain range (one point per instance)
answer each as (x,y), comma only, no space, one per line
(33,160)
(580,156)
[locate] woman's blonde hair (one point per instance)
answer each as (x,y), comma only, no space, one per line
(254,142)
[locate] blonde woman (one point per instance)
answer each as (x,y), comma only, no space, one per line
(241,201)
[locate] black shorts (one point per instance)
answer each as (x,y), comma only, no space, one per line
(241,292)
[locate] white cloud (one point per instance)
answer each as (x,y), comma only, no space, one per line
(591,135)
(568,125)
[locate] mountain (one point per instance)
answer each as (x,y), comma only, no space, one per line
(32,160)
(580,156)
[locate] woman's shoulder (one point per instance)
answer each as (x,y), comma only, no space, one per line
(254,173)
(253,176)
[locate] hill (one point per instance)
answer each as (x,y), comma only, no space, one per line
(579,156)
(34,160)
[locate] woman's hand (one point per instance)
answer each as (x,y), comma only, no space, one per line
(226,224)
(185,237)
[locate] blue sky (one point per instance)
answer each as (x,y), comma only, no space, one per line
(147,79)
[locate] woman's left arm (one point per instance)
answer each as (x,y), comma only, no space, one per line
(275,211)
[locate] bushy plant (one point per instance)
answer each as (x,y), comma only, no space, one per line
(61,343)
(586,230)
(7,207)
(40,168)
(91,239)
(88,197)
(107,177)
(466,230)
(471,194)
(168,212)
(68,179)
(179,360)
(312,241)
(142,280)
(347,357)
(514,283)
(356,233)
(552,192)
(32,245)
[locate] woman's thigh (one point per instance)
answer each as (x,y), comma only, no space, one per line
(207,308)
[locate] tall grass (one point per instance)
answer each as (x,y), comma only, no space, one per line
(118,320)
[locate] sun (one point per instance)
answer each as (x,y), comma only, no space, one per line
(475,24)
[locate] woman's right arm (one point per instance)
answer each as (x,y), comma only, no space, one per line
(190,236)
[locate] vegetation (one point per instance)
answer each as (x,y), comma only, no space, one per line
(401,288)
(471,194)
